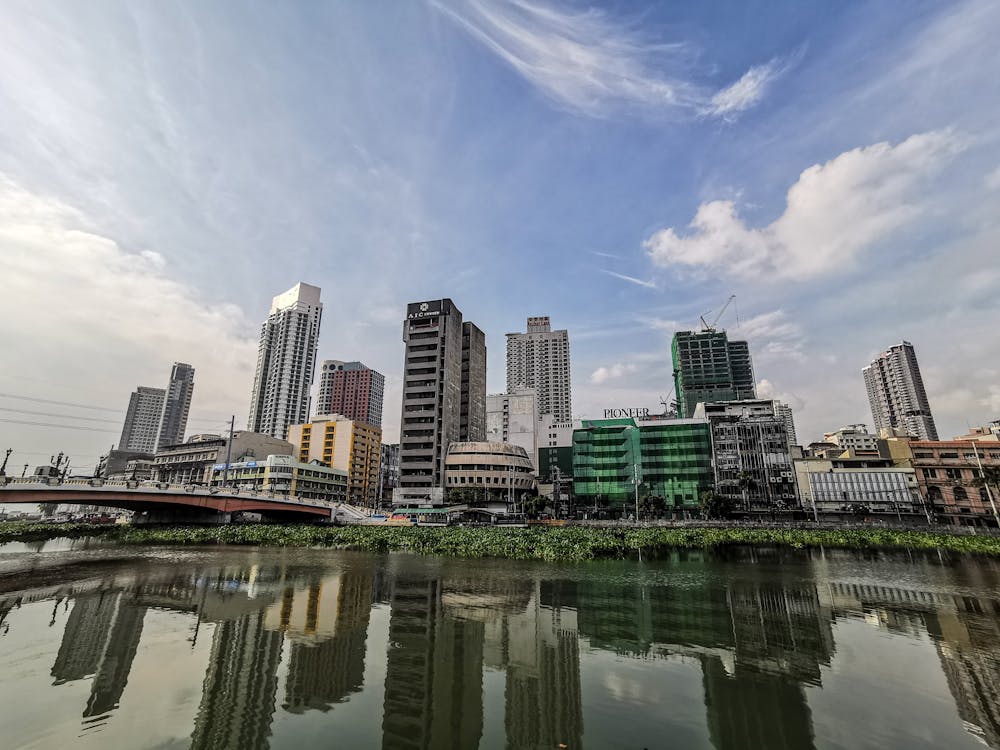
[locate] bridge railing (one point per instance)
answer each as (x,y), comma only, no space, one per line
(165,487)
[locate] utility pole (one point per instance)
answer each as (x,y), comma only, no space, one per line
(982,474)
(229,452)
(635,481)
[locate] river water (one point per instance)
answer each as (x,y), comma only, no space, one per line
(106,647)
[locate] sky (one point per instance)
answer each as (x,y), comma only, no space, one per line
(166,169)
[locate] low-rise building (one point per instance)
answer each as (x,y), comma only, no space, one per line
(501,472)
(843,485)
(753,463)
(389,471)
(283,475)
(191,462)
(662,458)
(347,444)
(854,437)
(949,477)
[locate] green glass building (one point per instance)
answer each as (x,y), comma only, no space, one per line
(708,368)
(670,458)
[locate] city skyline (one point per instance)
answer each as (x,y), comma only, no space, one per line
(649,209)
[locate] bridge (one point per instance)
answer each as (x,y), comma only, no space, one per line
(163,502)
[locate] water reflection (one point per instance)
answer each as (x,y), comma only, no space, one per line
(291,633)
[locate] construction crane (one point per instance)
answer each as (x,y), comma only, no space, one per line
(710,327)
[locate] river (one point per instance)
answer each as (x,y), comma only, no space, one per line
(159,647)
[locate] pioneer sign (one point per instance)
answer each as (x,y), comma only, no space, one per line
(639,412)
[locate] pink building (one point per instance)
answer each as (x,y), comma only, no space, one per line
(351,389)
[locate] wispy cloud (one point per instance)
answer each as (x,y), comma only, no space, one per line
(833,212)
(746,92)
(600,254)
(630,279)
(594,64)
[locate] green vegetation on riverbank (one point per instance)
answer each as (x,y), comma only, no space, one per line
(567,543)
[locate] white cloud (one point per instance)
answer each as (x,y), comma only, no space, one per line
(593,64)
(98,319)
(745,92)
(992,180)
(617,370)
(834,211)
(767,390)
(630,279)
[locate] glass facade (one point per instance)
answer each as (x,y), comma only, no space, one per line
(671,459)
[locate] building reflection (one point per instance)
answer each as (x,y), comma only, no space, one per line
(297,639)
(100,639)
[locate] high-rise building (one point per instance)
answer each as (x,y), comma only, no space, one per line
(342,443)
(784,411)
(539,359)
(896,393)
(286,361)
(177,405)
(444,396)
(142,420)
(512,418)
(351,389)
(472,417)
(708,367)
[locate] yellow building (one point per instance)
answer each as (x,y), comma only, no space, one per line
(345,444)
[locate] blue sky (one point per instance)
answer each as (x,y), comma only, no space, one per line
(165,169)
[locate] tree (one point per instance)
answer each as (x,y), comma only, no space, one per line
(463,495)
(653,505)
(989,478)
(747,483)
(715,506)
(533,505)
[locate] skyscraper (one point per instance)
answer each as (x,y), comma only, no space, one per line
(896,393)
(708,368)
(539,359)
(142,420)
(444,396)
(286,361)
(351,389)
(177,405)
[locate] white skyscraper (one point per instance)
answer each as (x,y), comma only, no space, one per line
(286,361)
(142,421)
(896,393)
(539,359)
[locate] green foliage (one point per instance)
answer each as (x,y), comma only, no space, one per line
(716,506)
(564,543)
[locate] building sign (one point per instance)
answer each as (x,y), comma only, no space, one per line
(423,310)
(638,412)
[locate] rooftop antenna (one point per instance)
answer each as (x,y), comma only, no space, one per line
(711,327)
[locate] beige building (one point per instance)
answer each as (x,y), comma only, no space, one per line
(192,461)
(346,444)
(502,471)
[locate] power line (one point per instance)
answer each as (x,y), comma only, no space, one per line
(59,426)
(58,403)
(62,416)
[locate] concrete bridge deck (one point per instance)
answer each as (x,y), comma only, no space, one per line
(158,497)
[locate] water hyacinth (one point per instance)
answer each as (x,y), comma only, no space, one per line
(567,543)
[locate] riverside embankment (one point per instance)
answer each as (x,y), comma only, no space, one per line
(566,543)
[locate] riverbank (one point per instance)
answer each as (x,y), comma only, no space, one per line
(568,543)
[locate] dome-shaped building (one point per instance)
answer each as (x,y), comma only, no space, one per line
(501,470)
